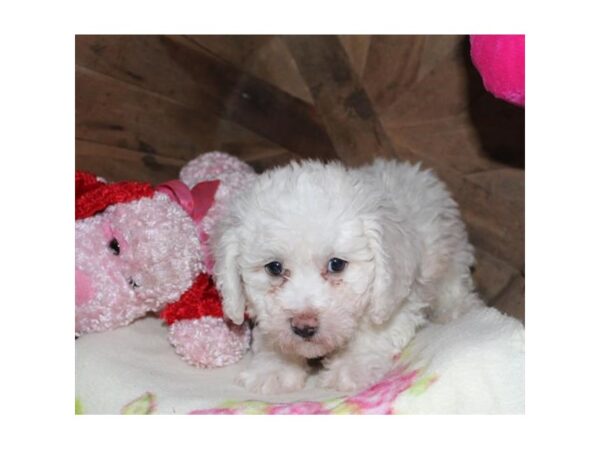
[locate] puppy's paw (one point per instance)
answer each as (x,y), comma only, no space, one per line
(352,374)
(272,379)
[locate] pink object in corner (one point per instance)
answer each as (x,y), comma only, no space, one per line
(500,59)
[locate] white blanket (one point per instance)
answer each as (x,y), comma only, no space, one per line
(472,365)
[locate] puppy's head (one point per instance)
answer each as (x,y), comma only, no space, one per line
(311,251)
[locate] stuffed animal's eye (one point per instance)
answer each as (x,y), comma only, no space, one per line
(336,265)
(114,246)
(274,268)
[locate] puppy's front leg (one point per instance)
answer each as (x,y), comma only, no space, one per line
(271,372)
(354,369)
(366,359)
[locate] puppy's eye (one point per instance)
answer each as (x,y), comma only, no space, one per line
(274,268)
(114,246)
(336,265)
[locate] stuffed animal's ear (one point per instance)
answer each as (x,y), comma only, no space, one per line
(227,273)
(395,259)
(214,166)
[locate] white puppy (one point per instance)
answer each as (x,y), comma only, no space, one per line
(343,264)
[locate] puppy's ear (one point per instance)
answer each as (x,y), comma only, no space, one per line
(395,259)
(227,274)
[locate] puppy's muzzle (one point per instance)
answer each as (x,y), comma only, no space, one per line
(305,325)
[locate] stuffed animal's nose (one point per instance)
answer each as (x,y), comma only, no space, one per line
(305,325)
(84,291)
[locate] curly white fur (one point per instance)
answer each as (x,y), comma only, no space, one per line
(408,261)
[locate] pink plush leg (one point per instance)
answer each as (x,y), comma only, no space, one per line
(209,342)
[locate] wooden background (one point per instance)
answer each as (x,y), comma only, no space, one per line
(147,104)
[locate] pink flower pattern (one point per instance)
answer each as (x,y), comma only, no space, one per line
(377,399)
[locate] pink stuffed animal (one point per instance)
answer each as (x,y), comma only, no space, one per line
(139,249)
(500,59)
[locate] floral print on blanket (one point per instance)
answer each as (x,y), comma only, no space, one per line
(144,404)
(378,399)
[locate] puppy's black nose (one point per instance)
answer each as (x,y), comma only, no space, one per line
(305,324)
(304,332)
